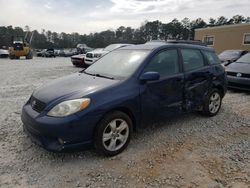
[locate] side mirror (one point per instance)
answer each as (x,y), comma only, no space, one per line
(149,76)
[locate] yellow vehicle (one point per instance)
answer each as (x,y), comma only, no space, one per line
(20,48)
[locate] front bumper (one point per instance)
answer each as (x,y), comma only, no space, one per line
(239,83)
(59,134)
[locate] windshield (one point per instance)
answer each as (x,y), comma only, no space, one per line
(112,47)
(244,59)
(118,63)
(230,54)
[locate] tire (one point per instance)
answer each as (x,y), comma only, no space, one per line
(212,104)
(12,56)
(113,133)
(29,55)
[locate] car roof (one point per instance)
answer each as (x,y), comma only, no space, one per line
(156,45)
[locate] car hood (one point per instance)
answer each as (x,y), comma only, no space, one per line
(80,56)
(239,67)
(73,86)
(227,58)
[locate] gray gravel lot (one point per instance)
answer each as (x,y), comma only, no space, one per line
(187,151)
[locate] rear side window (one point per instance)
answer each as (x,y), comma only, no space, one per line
(212,58)
(192,59)
(165,63)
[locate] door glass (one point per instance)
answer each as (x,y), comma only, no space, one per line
(212,58)
(165,63)
(192,59)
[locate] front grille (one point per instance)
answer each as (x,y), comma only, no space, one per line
(243,75)
(89,55)
(231,73)
(37,105)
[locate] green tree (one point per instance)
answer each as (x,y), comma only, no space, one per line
(196,24)
(221,21)
(237,19)
(212,22)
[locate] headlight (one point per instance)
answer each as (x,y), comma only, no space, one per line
(69,107)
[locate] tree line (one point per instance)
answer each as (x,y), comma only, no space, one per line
(155,30)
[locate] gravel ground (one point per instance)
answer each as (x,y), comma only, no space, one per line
(188,151)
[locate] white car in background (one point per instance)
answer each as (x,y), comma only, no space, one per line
(94,55)
(4,53)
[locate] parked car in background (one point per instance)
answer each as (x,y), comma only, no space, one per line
(83,48)
(79,60)
(62,53)
(4,53)
(38,52)
(73,51)
(48,53)
(92,56)
(229,56)
(56,52)
(127,88)
(68,52)
(238,73)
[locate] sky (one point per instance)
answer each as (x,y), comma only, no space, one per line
(86,16)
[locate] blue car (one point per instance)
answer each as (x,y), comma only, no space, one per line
(127,88)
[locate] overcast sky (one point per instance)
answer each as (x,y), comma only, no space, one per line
(85,16)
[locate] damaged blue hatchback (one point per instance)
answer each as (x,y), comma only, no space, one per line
(127,88)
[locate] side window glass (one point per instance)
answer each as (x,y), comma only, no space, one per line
(212,58)
(192,59)
(165,63)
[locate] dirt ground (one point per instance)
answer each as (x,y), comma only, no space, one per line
(187,151)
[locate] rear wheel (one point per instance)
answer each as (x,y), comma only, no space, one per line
(212,104)
(113,133)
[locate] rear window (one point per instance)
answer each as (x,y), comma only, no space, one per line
(211,57)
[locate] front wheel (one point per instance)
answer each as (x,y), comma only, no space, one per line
(12,56)
(29,55)
(113,133)
(212,104)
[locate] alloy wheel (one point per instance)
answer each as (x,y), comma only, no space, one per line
(214,102)
(115,135)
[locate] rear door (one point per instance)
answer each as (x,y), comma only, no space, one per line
(163,97)
(198,78)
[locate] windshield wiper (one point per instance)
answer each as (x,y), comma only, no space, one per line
(83,71)
(102,76)
(98,75)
